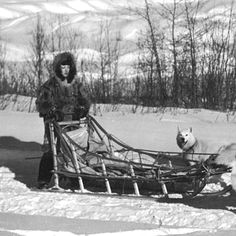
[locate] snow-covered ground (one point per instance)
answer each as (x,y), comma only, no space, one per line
(24,211)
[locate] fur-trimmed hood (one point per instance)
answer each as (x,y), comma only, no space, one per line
(65,58)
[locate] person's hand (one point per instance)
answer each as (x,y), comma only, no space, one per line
(53,113)
(82,111)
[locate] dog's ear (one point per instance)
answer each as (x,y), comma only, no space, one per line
(221,148)
(178,129)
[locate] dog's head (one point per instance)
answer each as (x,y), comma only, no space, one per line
(185,139)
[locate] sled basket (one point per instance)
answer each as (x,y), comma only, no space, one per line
(92,159)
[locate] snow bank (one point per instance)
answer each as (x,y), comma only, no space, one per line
(13,102)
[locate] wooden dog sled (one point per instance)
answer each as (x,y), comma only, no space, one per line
(89,159)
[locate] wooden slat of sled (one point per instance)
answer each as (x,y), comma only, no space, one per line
(73,122)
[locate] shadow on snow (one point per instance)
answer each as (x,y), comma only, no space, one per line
(22,158)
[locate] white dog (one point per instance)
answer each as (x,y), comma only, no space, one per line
(225,154)
(227,157)
(194,150)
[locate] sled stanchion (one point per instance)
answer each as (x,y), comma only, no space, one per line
(140,159)
(77,168)
(54,153)
(98,133)
(105,174)
(170,164)
(136,189)
(164,189)
(163,185)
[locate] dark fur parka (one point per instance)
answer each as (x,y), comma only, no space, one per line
(70,100)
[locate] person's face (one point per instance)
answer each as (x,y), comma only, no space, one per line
(65,70)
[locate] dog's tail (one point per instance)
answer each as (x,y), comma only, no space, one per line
(227,156)
(233,175)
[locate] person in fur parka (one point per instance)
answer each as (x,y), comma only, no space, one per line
(63,98)
(63,95)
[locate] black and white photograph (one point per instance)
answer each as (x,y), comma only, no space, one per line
(117,117)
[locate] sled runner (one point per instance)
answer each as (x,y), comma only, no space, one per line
(87,158)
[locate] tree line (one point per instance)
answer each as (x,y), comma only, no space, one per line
(182,59)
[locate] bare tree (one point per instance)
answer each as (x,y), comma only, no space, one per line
(38,50)
(153,33)
(191,42)
(151,42)
(108,46)
(2,64)
(219,65)
(172,14)
(62,36)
